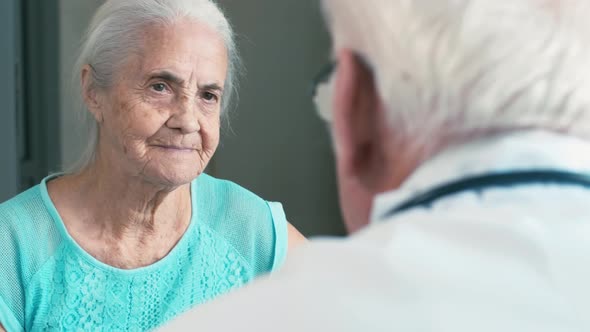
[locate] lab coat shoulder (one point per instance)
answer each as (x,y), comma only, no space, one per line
(448,274)
(317,284)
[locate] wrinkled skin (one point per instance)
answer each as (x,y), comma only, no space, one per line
(160,120)
(158,129)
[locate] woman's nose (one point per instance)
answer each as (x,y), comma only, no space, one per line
(185,117)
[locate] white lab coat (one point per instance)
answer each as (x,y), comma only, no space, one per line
(509,259)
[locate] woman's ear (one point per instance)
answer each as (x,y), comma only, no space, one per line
(89,93)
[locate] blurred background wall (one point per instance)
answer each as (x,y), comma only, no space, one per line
(29,120)
(74,17)
(280,148)
(8,94)
(276,146)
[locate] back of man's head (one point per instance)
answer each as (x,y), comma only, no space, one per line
(447,71)
(471,65)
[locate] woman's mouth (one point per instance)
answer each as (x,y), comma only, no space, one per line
(176,148)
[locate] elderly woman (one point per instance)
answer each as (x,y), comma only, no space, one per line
(139,233)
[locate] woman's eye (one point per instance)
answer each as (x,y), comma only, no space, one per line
(208,96)
(159,87)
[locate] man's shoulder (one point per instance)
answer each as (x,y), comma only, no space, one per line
(317,284)
(403,275)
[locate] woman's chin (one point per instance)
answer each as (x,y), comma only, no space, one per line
(174,176)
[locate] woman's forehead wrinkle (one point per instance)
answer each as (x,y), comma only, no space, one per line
(192,79)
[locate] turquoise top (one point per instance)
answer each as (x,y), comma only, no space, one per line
(49,283)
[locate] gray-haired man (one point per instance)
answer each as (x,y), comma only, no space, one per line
(461,130)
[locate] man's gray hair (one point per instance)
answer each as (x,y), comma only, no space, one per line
(465,67)
(116,31)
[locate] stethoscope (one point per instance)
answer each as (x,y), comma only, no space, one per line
(488,181)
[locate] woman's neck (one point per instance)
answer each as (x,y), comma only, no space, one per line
(121,219)
(134,204)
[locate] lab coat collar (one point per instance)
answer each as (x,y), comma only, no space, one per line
(509,152)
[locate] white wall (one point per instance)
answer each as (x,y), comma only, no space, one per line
(279,148)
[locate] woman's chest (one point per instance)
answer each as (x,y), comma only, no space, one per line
(73,293)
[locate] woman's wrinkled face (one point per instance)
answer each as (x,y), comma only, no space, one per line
(161,117)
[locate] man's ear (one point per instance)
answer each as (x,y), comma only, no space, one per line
(89,94)
(358,122)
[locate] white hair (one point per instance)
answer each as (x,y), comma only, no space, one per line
(460,68)
(116,30)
